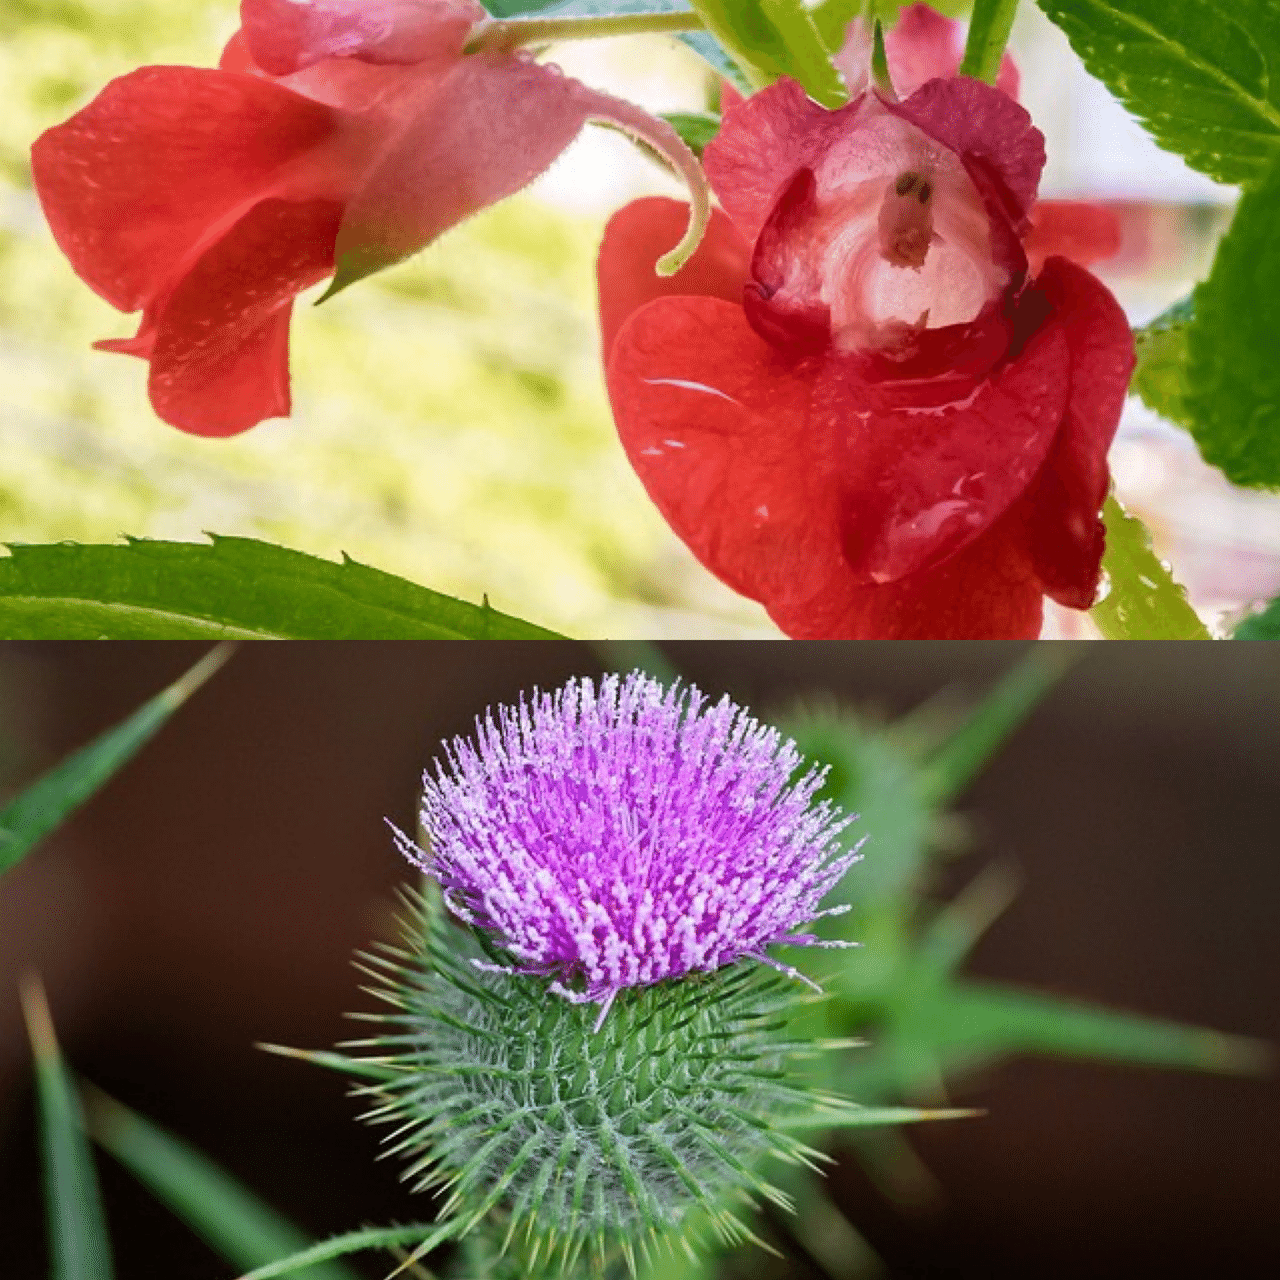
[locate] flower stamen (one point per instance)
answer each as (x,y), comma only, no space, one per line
(906,221)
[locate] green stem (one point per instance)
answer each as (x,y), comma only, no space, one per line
(880,76)
(502,37)
(1143,602)
(988,34)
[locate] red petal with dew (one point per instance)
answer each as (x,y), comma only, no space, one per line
(923,483)
(1085,233)
(476,135)
(638,235)
(220,361)
(987,592)
(1060,511)
(132,183)
(286,36)
(716,424)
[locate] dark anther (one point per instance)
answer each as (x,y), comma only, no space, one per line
(926,190)
(906,181)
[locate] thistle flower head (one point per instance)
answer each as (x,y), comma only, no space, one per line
(614,837)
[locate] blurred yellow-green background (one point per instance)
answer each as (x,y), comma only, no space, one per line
(450,423)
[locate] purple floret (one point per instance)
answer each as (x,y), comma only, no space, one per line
(612,838)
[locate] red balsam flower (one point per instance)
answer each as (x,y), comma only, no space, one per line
(345,133)
(853,404)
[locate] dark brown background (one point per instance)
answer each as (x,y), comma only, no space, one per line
(213,894)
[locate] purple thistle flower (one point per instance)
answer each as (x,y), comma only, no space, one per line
(614,838)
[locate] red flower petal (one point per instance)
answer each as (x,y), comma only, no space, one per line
(287,35)
(986,592)
(762,141)
(922,483)
(720,433)
(236,55)
(1085,233)
(715,423)
(638,235)
(219,363)
(475,135)
(1059,512)
(134,181)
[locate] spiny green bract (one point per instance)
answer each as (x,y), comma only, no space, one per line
(583,1143)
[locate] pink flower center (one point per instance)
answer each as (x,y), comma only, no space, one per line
(899,238)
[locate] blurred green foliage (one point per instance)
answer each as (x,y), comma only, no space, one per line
(46,803)
(450,423)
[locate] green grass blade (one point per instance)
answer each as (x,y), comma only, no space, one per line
(42,806)
(959,760)
(226,1215)
(982,1019)
(235,588)
(838,1114)
(365,1067)
(828,1236)
(78,1241)
(425,1236)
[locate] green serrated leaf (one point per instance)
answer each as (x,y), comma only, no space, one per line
(1202,75)
(773,38)
(78,1240)
(807,55)
(1161,374)
(1233,374)
(696,128)
(30,817)
(1142,601)
(236,587)
(1261,626)
(747,36)
(226,1215)
(832,18)
(988,34)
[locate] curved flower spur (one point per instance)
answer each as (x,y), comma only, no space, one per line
(596,1063)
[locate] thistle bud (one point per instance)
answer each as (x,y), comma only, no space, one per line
(585,1047)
